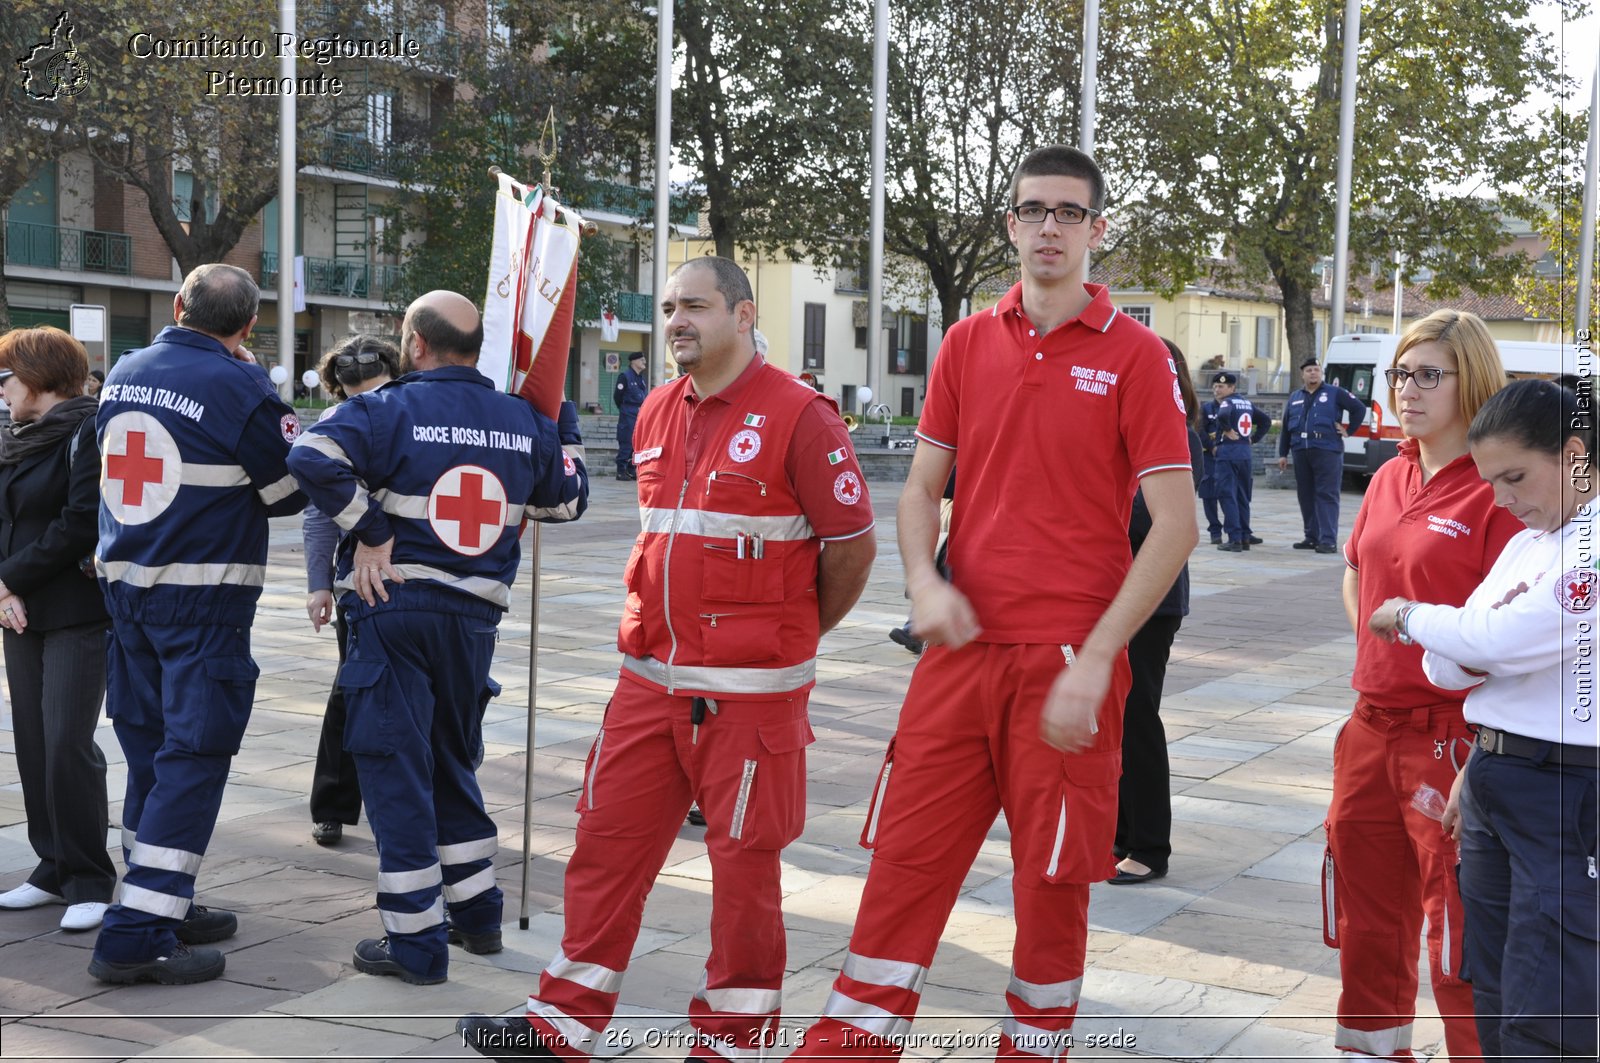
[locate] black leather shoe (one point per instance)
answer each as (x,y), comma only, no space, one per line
(204,925)
(696,817)
(1216,540)
(1231,548)
(502,1037)
(1327,548)
(1251,540)
(327,832)
(1127,878)
(372,957)
(484,944)
(184,966)
(1305,544)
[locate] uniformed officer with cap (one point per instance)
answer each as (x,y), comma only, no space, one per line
(1314,433)
(632,387)
(1236,424)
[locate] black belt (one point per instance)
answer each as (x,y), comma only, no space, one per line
(1492,741)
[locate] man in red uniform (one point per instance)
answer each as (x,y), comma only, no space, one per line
(756,540)
(1017,703)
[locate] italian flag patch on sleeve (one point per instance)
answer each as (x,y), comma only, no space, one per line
(835,457)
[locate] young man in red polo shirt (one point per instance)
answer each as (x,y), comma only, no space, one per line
(756,539)
(1017,703)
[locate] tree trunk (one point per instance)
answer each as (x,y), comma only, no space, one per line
(1298,321)
(5,302)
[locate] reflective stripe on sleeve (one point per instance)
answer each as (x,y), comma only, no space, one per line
(406,881)
(725,680)
(351,514)
(311,439)
(278,490)
(413,922)
(466,852)
(180,860)
(183,575)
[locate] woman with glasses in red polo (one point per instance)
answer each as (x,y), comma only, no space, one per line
(1428,529)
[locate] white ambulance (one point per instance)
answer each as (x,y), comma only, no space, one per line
(1357,363)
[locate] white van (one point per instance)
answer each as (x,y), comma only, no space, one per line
(1357,363)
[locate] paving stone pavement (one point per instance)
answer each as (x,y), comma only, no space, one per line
(1223,959)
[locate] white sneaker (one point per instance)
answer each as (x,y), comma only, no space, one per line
(28,895)
(85,916)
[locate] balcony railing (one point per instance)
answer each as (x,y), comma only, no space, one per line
(352,152)
(349,278)
(635,306)
(635,202)
(57,247)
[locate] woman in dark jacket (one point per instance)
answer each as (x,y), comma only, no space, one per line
(55,620)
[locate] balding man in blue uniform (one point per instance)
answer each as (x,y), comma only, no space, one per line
(432,478)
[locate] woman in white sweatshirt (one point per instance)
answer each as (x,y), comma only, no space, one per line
(1524,806)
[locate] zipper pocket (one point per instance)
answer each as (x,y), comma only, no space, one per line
(728,474)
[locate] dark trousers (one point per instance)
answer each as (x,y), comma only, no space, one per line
(1316,482)
(1235,484)
(335,786)
(1208,497)
(1144,799)
(625,423)
(58,680)
(179,697)
(417,683)
(1528,852)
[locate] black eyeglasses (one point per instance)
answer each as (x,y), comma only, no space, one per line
(1427,378)
(1066,214)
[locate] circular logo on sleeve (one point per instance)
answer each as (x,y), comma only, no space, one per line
(290,426)
(1575,590)
(467,509)
(847,488)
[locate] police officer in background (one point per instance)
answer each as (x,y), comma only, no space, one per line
(194,440)
(632,387)
(1235,425)
(431,479)
(1314,432)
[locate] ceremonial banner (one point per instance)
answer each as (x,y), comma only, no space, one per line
(532,295)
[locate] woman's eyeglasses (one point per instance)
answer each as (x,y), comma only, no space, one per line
(1427,378)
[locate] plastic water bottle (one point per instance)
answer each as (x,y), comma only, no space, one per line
(1429,802)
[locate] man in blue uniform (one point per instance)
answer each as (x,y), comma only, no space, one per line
(1207,488)
(1314,431)
(194,439)
(631,390)
(431,478)
(1237,423)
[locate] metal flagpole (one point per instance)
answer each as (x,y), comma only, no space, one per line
(287,210)
(658,334)
(1347,136)
(547,156)
(880,141)
(1086,93)
(1586,232)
